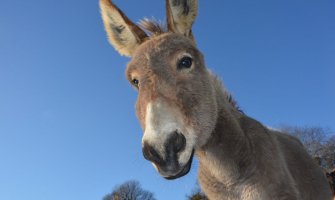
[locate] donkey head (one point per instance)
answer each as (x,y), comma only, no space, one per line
(176,103)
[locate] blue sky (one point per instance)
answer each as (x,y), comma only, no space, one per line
(67,123)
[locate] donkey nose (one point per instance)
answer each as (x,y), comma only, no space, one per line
(151,154)
(173,145)
(176,142)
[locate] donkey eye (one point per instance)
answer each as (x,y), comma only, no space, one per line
(135,82)
(185,63)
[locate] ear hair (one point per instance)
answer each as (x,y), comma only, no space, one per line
(181,15)
(123,34)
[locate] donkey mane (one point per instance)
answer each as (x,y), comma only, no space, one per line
(227,95)
(153,27)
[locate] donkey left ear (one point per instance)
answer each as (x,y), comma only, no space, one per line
(181,15)
(122,33)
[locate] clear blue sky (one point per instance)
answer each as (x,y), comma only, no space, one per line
(67,124)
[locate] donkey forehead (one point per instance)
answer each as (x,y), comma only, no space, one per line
(160,49)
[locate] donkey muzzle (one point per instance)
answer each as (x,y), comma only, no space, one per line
(167,164)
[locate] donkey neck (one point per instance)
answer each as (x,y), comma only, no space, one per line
(228,154)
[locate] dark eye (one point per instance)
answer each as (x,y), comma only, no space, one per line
(185,63)
(135,82)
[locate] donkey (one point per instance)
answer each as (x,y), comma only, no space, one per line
(184,110)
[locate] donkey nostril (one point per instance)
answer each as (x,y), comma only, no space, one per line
(180,141)
(151,154)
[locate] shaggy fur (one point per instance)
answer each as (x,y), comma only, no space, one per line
(240,159)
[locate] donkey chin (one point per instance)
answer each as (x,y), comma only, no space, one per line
(175,171)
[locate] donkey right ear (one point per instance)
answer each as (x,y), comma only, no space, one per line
(181,15)
(122,33)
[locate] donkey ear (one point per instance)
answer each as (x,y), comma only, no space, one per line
(181,15)
(122,33)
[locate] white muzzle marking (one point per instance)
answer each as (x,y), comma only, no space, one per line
(161,121)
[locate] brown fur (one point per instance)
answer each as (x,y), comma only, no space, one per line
(239,157)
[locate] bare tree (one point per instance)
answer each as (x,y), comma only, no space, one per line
(329,152)
(130,190)
(197,194)
(317,143)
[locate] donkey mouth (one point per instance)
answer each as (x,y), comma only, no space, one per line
(183,171)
